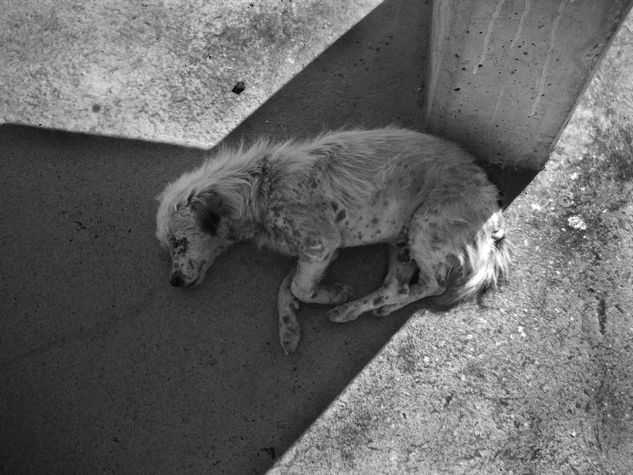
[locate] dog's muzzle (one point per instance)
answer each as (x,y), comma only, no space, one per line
(177,279)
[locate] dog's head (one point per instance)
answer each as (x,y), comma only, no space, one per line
(194,227)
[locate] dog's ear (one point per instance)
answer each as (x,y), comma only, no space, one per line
(208,208)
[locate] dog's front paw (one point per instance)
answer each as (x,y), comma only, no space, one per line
(289,337)
(343,313)
(289,328)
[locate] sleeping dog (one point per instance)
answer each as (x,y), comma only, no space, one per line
(422,195)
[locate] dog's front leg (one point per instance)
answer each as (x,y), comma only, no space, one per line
(307,284)
(313,236)
(304,283)
(289,329)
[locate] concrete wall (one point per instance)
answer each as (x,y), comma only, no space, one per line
(505,74)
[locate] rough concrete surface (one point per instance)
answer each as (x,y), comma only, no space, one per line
(103,365)
(158,70)
(537,377)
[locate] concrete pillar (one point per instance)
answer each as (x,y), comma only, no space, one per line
(504,75)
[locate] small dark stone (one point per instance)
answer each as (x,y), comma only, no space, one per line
(239,87)
(448,399)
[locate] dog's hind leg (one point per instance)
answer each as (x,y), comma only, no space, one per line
(431,281)
(417,291)
(394,289)
(435,246)
(289,329)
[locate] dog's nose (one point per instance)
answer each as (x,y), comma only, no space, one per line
(177,279)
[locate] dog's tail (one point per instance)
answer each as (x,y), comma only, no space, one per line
(482,264)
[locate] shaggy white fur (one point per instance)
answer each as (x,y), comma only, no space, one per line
(423,195)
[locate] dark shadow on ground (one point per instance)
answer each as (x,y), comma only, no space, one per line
(103,365)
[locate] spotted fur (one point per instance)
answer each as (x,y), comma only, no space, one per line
(421,194)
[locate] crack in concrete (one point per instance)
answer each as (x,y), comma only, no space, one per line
(501,93)
(548,58)
(602,316)
(491,25)
(524,15)
(442,14)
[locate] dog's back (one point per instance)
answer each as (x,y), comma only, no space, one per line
(376,179)
(354,165)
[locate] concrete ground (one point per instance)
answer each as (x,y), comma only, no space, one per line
(159,70)
(105,367)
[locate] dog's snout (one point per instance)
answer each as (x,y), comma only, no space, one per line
(177,280)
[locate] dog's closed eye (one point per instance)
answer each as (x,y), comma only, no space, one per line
(207,209)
